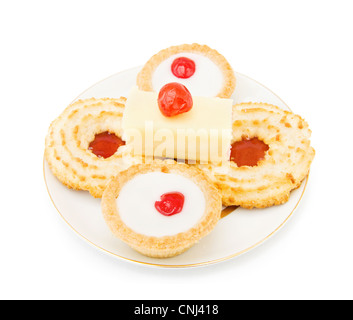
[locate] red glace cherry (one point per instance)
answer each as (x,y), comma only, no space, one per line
(183,67)
(171,203)
(174,99)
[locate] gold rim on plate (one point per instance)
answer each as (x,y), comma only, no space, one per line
(178,265)
(191,264)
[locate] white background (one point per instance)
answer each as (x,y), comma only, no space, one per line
(51,51)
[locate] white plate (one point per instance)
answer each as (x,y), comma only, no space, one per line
(236,233)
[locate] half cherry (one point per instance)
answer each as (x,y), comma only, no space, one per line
(171,203)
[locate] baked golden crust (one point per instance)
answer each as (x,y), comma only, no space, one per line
(286,163)
(166,246)
(68,138)
(144,78)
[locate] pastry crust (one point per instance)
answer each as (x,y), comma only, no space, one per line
(286,163)
(144,78)
(68,138)
(166,246)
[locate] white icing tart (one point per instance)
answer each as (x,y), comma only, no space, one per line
(137,198)
(128,206)
(207,81)
(213,76)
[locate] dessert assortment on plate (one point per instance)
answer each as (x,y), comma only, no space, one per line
(170,155)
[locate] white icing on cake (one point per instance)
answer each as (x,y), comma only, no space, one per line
(207,81)
(136,204)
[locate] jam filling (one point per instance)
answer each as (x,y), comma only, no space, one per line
(248,152)
(171,203)
(183,67)
(105,144)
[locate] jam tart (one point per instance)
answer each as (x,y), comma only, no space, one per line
(83,146)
